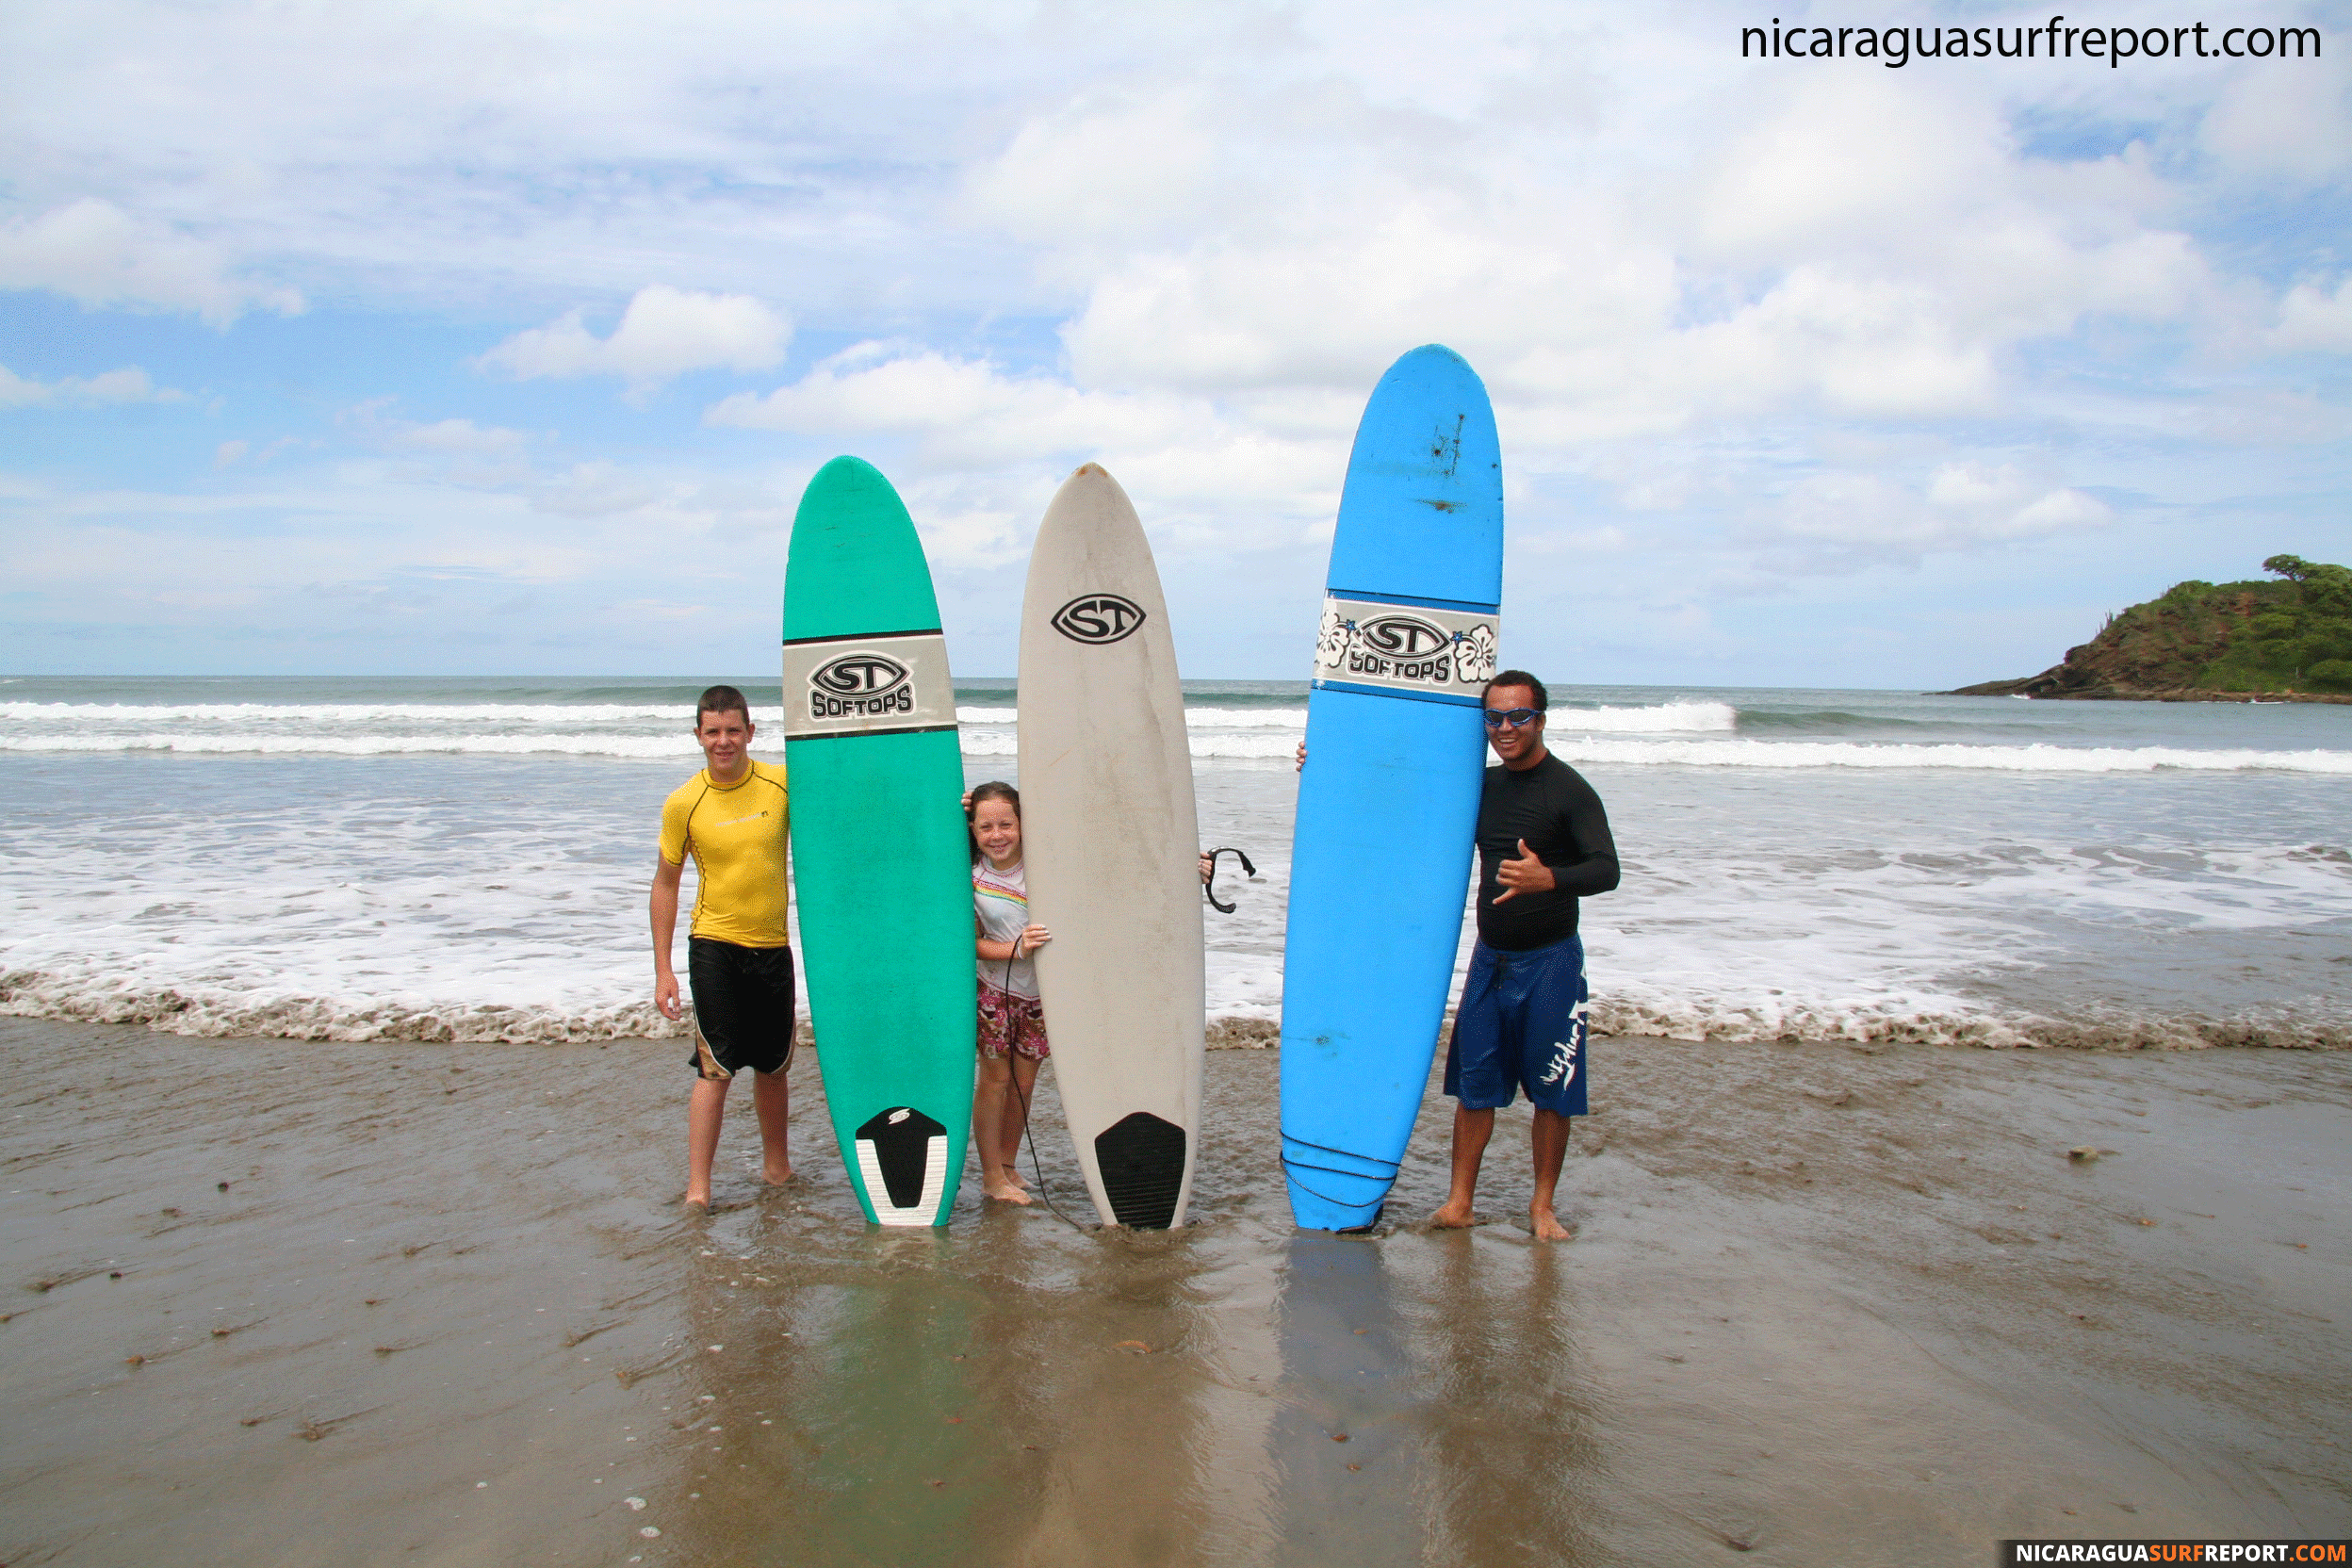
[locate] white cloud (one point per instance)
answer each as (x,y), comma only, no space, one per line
(1102,167)
(1772,319)
(664,333)
(457,436)
(2290,122)
(595,490)
(130,384)
(972,409)
(1842,520)
(2313,320)
(228,454)
(93,251)
(991,445)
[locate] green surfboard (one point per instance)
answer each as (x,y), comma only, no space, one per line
(880,856)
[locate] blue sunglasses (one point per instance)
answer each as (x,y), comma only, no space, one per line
(1496,717)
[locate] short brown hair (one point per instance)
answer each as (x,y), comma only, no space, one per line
(721,699)
(1521,677)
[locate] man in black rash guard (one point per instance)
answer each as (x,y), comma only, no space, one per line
(1543,844)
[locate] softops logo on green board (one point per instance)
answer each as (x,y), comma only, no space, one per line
(864,684)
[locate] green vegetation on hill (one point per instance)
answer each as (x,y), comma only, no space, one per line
(2299,640)
(2288,637)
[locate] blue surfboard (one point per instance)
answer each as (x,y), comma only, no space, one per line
(1388,802)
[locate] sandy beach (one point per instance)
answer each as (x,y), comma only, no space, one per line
(272,1301)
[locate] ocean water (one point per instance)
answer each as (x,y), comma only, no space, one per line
(468,859)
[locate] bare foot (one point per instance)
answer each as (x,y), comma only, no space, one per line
(1455,1215)
(1013,1175)
(698,1207)
(1547,1227)
(1005,1193)
(775,1177)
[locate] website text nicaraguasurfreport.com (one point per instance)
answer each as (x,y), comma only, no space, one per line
(1896,46)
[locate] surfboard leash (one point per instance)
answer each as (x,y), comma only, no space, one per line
(1028,1132)
(1036,1168)
(1208,887)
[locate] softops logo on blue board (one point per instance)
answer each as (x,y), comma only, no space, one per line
(1098,618)
(860,684)
(1404,648)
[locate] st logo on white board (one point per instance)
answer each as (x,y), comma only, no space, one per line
(1098,618)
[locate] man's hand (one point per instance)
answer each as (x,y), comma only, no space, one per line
(662,906)
(1526,874)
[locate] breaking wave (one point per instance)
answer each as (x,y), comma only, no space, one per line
(221,1013)
(2027,758)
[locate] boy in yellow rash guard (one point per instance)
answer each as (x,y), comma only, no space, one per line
(732,817)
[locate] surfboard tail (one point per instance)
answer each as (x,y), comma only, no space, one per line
(1333,1189)
(903,1167)
(1142,1159)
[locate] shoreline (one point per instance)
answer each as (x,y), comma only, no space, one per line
(2184,693)
(300,1018)
(1827,1302)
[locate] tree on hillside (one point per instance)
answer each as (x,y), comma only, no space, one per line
(2299,642)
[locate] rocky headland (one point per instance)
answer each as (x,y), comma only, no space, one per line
(2284,640)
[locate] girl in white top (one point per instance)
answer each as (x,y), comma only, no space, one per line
(1012,1020)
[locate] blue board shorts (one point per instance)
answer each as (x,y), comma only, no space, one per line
(1520,1026)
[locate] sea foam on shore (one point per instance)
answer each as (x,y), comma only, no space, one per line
(468,861)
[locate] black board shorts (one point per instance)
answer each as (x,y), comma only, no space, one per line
(744,1001)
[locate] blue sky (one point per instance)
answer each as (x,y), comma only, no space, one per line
(492,339)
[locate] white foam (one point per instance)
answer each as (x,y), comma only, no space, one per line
(1665,719)
(1195,718)
(355,712)
(653,731)
(2029,759)
(645,731)
(1211,747)
(1846,903)
(677,747)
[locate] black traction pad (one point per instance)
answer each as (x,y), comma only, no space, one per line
(1142,1161)
(901,1147)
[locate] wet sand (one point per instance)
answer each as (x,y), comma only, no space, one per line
(1825,1305)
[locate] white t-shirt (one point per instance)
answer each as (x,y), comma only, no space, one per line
(1001,899)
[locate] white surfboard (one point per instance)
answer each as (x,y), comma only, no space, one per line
(1111,846)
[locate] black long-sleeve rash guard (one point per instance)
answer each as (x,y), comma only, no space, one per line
(1555,810)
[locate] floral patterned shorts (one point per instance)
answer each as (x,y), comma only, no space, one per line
(1009,1022)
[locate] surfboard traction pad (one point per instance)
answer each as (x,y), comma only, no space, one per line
(903,1155)
(1141,1159)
